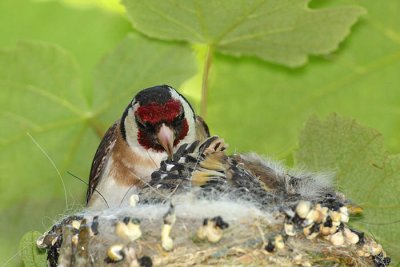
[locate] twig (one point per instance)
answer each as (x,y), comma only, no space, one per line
(204,85)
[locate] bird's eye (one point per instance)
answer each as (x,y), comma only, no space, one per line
(140,124)
(180,117)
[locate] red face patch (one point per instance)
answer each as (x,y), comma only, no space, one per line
(154,113)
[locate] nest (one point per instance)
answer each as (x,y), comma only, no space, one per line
(219,210)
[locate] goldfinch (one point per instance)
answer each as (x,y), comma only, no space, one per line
(154,124)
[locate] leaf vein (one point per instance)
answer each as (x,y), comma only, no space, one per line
(172,20)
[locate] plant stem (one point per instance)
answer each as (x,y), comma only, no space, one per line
(204,84)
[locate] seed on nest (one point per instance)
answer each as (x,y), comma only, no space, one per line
(212,229)
(311,217)
(322,213)
(133,200)
(311,231)
(335,216)
(40,241)
(115,253)
(350,236)
(362,253)
(76,224)
(289,229)
(275,243)
(75,239)
(344,214)
(325,230)
(169,219)
(307,230)
(361,237)
(337,239)
(167,242)
(327,227)
(373,248)
(128,229)
(303,208)
(279,243)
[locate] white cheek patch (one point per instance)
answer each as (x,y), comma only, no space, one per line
(131,130)
(190,116)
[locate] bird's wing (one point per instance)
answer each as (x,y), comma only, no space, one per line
(202,131)
(100,159)
(259,168)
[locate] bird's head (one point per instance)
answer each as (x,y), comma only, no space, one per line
(158,119)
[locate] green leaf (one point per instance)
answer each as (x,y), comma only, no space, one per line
(280,31)
(85,33)
(41,94)
(365,172)
(30,254)
(268,104)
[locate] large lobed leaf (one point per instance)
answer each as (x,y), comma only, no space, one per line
(280,31)
(360,81)
(365,172)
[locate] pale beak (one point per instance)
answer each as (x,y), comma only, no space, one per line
(166,139)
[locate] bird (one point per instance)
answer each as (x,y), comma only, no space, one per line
(207,171)
(154,124)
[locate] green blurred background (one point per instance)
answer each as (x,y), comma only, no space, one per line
(255,105)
